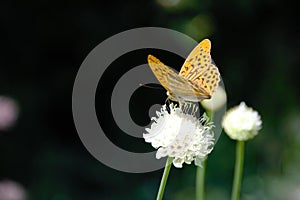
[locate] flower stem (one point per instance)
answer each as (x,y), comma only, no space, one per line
(210,115)
(200,174)
(200,181)
(164,179)
(238,171)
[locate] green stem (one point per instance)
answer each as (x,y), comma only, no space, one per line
(238,171)
(210,115)
(200,181)
(200,174)
(164,179)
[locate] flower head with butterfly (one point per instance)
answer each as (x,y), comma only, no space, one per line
(196,81)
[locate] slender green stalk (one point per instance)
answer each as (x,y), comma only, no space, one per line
(200,173)
(200,182)
(164,179)
(210,115)
(238,171)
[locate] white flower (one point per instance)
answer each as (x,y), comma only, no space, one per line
(241,122)
(180,135)
(217,101)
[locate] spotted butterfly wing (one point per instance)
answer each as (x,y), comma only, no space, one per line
(178,87)
(200,68)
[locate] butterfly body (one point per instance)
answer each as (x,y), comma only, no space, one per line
(197,79)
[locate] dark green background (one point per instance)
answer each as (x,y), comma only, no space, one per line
(43,43)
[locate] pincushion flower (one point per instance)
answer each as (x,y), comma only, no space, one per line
(179,134)
(241,122)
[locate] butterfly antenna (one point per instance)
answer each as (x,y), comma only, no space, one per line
(152,87)
(167,101)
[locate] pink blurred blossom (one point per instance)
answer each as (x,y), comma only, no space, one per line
(8,112)
(10,190)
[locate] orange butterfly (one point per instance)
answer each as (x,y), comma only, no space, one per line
(197,79)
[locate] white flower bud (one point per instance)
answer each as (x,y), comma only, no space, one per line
(217,101)
(241,122)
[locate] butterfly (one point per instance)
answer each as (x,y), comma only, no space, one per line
(197,80)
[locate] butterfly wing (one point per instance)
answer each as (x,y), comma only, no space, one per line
(200,69)
(161,71)
(178,87)
(185,90)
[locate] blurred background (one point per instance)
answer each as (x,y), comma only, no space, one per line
(43,43)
